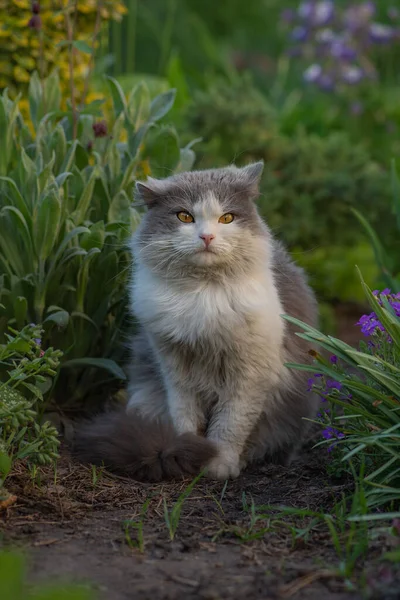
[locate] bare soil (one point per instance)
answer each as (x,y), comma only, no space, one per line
(71,525)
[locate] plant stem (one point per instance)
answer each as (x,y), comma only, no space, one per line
(97,27)
(70,36)
(131,25)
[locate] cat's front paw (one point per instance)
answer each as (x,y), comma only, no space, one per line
(226,465)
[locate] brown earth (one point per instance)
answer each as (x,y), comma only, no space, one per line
(71,525)
(72,528)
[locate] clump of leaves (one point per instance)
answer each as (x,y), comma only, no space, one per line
(26,373)
(66,218)
(13,584)
(361,391)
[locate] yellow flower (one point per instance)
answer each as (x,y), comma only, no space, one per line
(22,4)
(20,74)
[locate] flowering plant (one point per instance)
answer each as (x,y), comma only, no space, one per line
(360,393)
(26,373)
(338,43)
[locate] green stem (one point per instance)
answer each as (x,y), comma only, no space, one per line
(131,41)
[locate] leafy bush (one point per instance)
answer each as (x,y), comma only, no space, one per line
(361,389)
(66,216)
(234,119)
(387,261)
(310,182)
(13,585)
(34,36)
(26,373)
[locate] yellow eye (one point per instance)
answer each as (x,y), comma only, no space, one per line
(227,218)
(185,217)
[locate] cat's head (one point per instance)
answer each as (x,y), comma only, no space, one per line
(201,219)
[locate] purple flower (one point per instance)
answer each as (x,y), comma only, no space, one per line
(334,359)
(352,74)
(393,12)
(35,22)
(325,36)
(313,73)
(299,33)
(330,433)
(323,13)
(288,15)
(326,83)
(306,10)
(370,324)
(356,108)
(380,33)
(37,341)
(342,51)
(99,129)
(331,384)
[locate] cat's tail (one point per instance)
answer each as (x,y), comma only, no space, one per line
(147,451)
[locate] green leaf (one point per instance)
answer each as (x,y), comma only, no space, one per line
(396,192)
(139,105)
(52,92)
(60,318)
(21,228)
(378,249)
(95,237)
(118,97)
(79,215)
(46,223)
(35,99)
(4,158)
(82,46)
(20,306)
(119,210)
(45,177)
(98,363)
(5,468)
(16,198)
(162,151)
(29,167)
(186,162)
(161,105)
(79,45)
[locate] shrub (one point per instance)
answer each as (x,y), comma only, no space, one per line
(310,181)
(34,36)
(26,373)
(66,216)
(14,585)
(361,389)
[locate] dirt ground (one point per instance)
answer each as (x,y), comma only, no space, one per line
(71,525)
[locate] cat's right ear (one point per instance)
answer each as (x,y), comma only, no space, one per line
(150,191)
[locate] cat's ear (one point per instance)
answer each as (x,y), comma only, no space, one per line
(250,176)
(252,173)
(150,191)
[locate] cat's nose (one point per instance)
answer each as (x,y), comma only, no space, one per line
(207,238)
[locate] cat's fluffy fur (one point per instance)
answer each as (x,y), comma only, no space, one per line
(209,358)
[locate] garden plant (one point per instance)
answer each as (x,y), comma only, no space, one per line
(97,95)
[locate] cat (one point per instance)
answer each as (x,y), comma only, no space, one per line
(208,383)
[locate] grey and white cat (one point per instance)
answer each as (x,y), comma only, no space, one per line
(209,386)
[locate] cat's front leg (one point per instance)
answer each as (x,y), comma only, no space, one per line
(232,422)
(184,409)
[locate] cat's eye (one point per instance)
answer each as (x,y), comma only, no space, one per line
(185,217)
(226,218)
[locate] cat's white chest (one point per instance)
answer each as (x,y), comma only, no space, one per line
(207,309)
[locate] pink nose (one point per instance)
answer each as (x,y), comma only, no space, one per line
(207,238)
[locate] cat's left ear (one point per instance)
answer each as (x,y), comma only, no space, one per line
(150,191)
(250,176)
